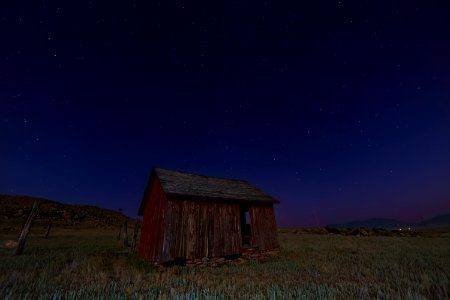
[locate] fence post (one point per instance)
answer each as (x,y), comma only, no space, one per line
(119,235)
(135,236)
(50,222)
(125,234)
(26,229)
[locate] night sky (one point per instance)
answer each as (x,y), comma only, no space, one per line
(339,109)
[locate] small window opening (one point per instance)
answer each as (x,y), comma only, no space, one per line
(247,217)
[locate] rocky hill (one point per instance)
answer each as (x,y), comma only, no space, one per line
(14,210)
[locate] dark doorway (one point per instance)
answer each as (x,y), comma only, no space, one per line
(246,228)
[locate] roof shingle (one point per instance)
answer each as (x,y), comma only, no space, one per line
(198,187)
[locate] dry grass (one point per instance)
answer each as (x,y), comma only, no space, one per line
(91,265)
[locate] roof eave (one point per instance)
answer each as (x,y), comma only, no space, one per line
(178,196)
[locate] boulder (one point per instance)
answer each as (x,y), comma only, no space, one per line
(9,244)
(221,260)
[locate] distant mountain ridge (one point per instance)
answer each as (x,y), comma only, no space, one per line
(435,222)
(14,209)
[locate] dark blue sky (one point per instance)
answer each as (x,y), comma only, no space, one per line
(339,109)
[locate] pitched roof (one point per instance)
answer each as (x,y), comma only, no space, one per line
(206,188)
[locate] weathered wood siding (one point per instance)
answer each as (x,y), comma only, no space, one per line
(152,232)
(199,229)
(264,227)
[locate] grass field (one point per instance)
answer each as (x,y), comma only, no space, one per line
(86,264)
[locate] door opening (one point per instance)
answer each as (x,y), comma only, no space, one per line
(246,228)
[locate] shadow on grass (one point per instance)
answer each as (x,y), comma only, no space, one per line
(107,261)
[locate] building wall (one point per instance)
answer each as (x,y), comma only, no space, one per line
(179,230)
(264,227)
(201,229)
(152,230)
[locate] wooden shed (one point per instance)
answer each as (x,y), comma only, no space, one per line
(188,216)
